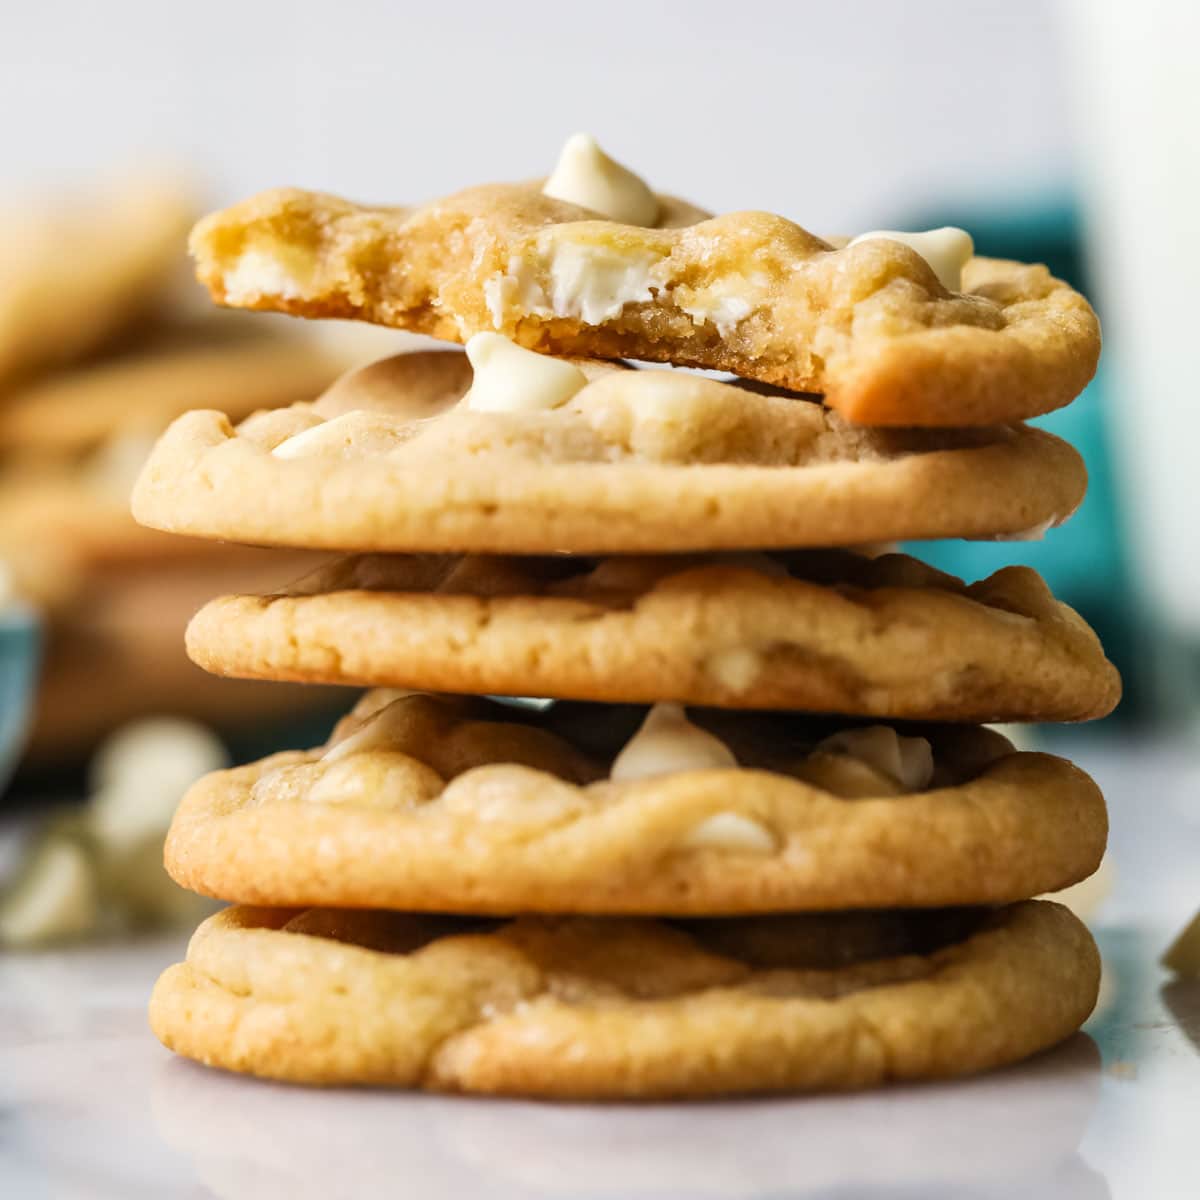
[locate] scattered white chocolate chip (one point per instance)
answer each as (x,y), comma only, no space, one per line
(1183,955)
(946,250)
(56,899)
(731,831)
(141,772)
(509,378)
(907,760)
(586,176)
(668,742)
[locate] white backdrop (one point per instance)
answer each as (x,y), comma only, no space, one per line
(840,113)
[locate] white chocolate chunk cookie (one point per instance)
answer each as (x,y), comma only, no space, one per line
(824,631)
(587,1008)
(636,461)
(873,326)
(456,805)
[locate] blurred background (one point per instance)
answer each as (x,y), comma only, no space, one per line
(1035,125)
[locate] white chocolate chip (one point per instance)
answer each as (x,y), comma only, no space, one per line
(57,899)
(1035,533)
(724,302)
(586,176)
(668,742)
(377,732)
(907,760)
(141,772)
(358,429)
(593,283)
(509,378)
(735,668)
(731,831)
(946,250)
(587,281)
(258,274)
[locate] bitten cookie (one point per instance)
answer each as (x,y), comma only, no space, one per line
(620,461)
(586,1008)
(456,805)
(825,631)
(870,325)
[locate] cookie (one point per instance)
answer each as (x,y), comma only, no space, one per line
(456,805)
(587,1008)
(634,462)
(826,631)
(75,411)
(58,519)
(78,275)
(114,652)
(867,325)
(75,441)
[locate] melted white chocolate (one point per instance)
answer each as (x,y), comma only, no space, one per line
(731,831)
(586,176)
(907,760)
(377,732)
(509,378)
(946,250)
(668,742)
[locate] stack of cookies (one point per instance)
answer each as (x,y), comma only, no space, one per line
(673,782)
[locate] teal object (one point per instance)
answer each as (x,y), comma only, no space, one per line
(1084,561)
(20,653)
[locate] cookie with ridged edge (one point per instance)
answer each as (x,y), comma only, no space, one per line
(587,1008)
(868,325)
(455,805)
(825,631)
(637,462)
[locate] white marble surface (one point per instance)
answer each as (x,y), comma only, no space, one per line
(91,1106)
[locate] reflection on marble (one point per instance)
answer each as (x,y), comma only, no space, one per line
(1016,1129)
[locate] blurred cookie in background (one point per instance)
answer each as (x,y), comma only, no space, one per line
(101,347)
(81,271)
(114,651)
